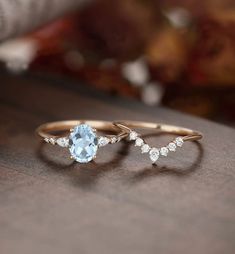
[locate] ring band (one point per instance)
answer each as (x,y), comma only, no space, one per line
(154,152)
(80,136)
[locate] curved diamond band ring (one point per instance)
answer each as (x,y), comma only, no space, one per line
(156,152)
(80,136)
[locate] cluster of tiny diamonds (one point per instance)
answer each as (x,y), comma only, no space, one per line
(155,153)
(103,141)
(63,141)
(50,140)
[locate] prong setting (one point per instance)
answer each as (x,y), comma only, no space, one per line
(103,141)
(155,153)
(133,135)
(139,142)
(83,143)
(62,142)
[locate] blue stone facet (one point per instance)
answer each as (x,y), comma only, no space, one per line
(83,143)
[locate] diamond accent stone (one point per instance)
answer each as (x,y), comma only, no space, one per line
(139,142)
(113,140)
(154,154)
(83,143)
(47,140)
(103,141)
(164,151)
(172,146)
(145,148)
(52,141)
(179,141)
(133,135)
(118,139)
(63,142)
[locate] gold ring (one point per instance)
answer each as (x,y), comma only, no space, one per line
(80,136)
(154,152)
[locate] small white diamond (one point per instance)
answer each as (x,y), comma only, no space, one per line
(47,140)
(139,142)
(118,139)
(179,141)
(52,141)
(63,142)
(133,135)
(103,141)
(145,148)
(154,154)
(164,151)
(113,140)
(172,146)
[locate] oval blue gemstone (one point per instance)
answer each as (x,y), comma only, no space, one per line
(83,143)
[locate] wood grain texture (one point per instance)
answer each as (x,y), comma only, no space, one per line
(120,203)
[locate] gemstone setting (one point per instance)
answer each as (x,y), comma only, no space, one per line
(145,148)
(63,142)
(164,151)
(103,141)
(139,142)
(113,140)
(133,135)
(154,154)
(83,143)
(179,141)
(172,146)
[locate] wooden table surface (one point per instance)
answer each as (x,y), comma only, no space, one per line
(120,203)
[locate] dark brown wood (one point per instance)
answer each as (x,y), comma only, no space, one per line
(120,203)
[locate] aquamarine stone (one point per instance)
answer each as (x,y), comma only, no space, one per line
(83,143)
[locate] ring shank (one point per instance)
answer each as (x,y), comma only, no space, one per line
(119,128)
(188,134)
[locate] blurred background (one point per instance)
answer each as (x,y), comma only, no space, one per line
(175,53)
